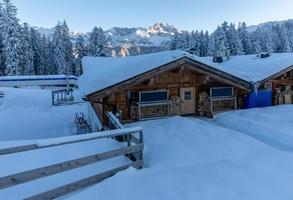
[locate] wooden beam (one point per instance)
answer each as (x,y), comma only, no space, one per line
(18,149)
(31,175)
(89,137)
(284,82)
(60,191)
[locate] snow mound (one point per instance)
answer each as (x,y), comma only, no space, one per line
(271,125)
(29,114)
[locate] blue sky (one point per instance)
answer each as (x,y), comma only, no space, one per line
(83,15)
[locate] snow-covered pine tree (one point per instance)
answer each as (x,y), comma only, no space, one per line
(97,42)
(2,61)
(79,52)
(206,43)
(245,39)
(26,52)
(174,41)
(38,52)
(282,42)
(219,40)
(194,43)
(235,45)
(11,39)
(62,49)
(51,67)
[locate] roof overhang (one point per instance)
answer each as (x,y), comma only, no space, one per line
(276,75)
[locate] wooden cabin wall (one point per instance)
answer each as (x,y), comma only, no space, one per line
(172,81)
(282,89)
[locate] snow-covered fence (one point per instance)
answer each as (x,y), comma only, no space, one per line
(113,121)
(93,119)
(62,97)
(132,149)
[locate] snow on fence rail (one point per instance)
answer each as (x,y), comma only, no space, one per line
(62,97)
(45,143)
(133,150)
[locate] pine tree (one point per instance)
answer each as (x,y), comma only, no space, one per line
(97,42)
(235,44)
(245,39)
(79,52)
(11,39)
(26,53)
(2,60)
(283,44)
(62,50)
(38,52)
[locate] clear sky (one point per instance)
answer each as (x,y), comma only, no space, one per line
(83,15)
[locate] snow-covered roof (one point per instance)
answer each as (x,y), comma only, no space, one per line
(250,67)
(36,77)
(102,72)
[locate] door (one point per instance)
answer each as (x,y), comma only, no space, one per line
(188,98)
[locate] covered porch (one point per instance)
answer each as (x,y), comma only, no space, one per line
(190,101)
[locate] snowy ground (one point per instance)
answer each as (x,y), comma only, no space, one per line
(18,162)
(188,158)
(238,155)
(28,114)
(273,126)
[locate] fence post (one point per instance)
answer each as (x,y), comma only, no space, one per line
(141,152)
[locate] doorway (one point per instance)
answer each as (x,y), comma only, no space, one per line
(187,96)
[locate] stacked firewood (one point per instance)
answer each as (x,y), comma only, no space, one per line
(153,111)
(223,104)
(203,104)
(176,105)
(133,112)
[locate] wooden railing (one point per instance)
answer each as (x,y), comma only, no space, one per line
(133,150)
(62,97)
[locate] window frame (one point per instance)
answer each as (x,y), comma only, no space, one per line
(212,88)
(153,91)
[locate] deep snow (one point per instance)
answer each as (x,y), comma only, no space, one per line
(27,114)
(188,158)
(23,161)
(272,125)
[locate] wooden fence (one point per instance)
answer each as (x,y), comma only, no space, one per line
(62,97)
(133,150)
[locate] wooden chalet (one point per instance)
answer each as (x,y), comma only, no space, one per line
(176,86)
(172,83)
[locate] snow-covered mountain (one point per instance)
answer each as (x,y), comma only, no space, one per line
(131,41)
(139,40)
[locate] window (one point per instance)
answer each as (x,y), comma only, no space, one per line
(151,96)
(132,97)
(187,95)
(221,92)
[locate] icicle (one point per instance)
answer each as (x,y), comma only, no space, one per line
(255,87)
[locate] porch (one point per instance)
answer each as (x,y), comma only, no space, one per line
(159,104)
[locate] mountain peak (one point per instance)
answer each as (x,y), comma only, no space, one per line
(163,28)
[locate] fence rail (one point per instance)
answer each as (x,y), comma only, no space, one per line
(62,97)
(133,150)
